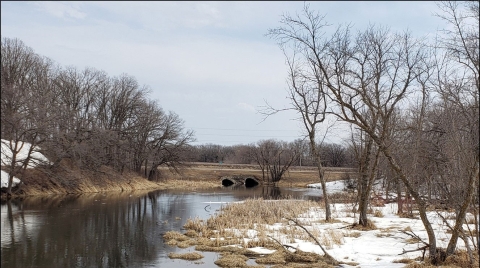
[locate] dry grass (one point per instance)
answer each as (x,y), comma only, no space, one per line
(175,235)
(68,178)
(232,260)
(258,211)
(191,233)
(370,226)
(412,240)
(212,172)
(352,234)
(278,257)
(404,260)
(378,213)
(331,237)
(461,259)
(303,265)
(458,260)
(232,226)
(191,256)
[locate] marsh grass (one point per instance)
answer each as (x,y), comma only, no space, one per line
(331,237)
(170,235)
(277,257)
(191,256)
(239,226)
(232,260)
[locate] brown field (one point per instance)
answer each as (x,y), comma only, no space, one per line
(213,172)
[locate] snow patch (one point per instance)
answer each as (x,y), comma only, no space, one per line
(4,176)
(332,186)
(36,158)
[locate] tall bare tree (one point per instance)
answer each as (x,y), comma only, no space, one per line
(26,115)
(300,41)
(458,84)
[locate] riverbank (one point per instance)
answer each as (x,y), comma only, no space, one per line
(69,179)
(66,178)
(294,233)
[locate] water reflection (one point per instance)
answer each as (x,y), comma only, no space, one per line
(108,230)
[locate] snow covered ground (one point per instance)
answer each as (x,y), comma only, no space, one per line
(4,176)
(6,158)
(332,186)
(374,248)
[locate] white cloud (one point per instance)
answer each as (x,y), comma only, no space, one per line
(246,107)
(64,10)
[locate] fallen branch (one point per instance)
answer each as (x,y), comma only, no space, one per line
(284,247)
(424,248)
(328,256)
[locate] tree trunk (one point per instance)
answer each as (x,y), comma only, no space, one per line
(321,174)
(363,201)
(420,202)
(452,244)
(399,197)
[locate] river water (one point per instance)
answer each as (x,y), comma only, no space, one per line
(114,229)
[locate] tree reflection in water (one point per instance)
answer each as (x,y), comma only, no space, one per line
(120,230)
(110,230)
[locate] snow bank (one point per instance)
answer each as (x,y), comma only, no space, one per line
(35,158)
(6,157)
(332,186)
(4,176)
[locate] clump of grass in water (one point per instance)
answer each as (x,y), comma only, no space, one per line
(232,260)
(191,256)
(175,235)
(278,257)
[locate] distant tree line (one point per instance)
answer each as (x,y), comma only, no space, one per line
(332,154)
(84,115)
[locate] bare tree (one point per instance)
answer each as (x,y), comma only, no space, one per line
(458,84)
(275,158)
(367,78)
(306,90)
(26,115)
(166,144)
(367,161)
(83,115)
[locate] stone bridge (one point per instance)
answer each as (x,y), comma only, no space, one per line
(247,180)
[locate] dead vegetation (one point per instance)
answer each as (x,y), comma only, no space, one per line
(243,225)
(191,256)
(458,260)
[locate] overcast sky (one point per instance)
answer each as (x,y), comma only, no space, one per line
(209,62)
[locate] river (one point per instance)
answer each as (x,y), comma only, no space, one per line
(114,229)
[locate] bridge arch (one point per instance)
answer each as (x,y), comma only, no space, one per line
(247,180)
(251,182)
(228,182)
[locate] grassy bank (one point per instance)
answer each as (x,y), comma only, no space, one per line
(213,172)
(66,178)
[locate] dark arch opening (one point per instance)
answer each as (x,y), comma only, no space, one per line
(227,182)
(250,182)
